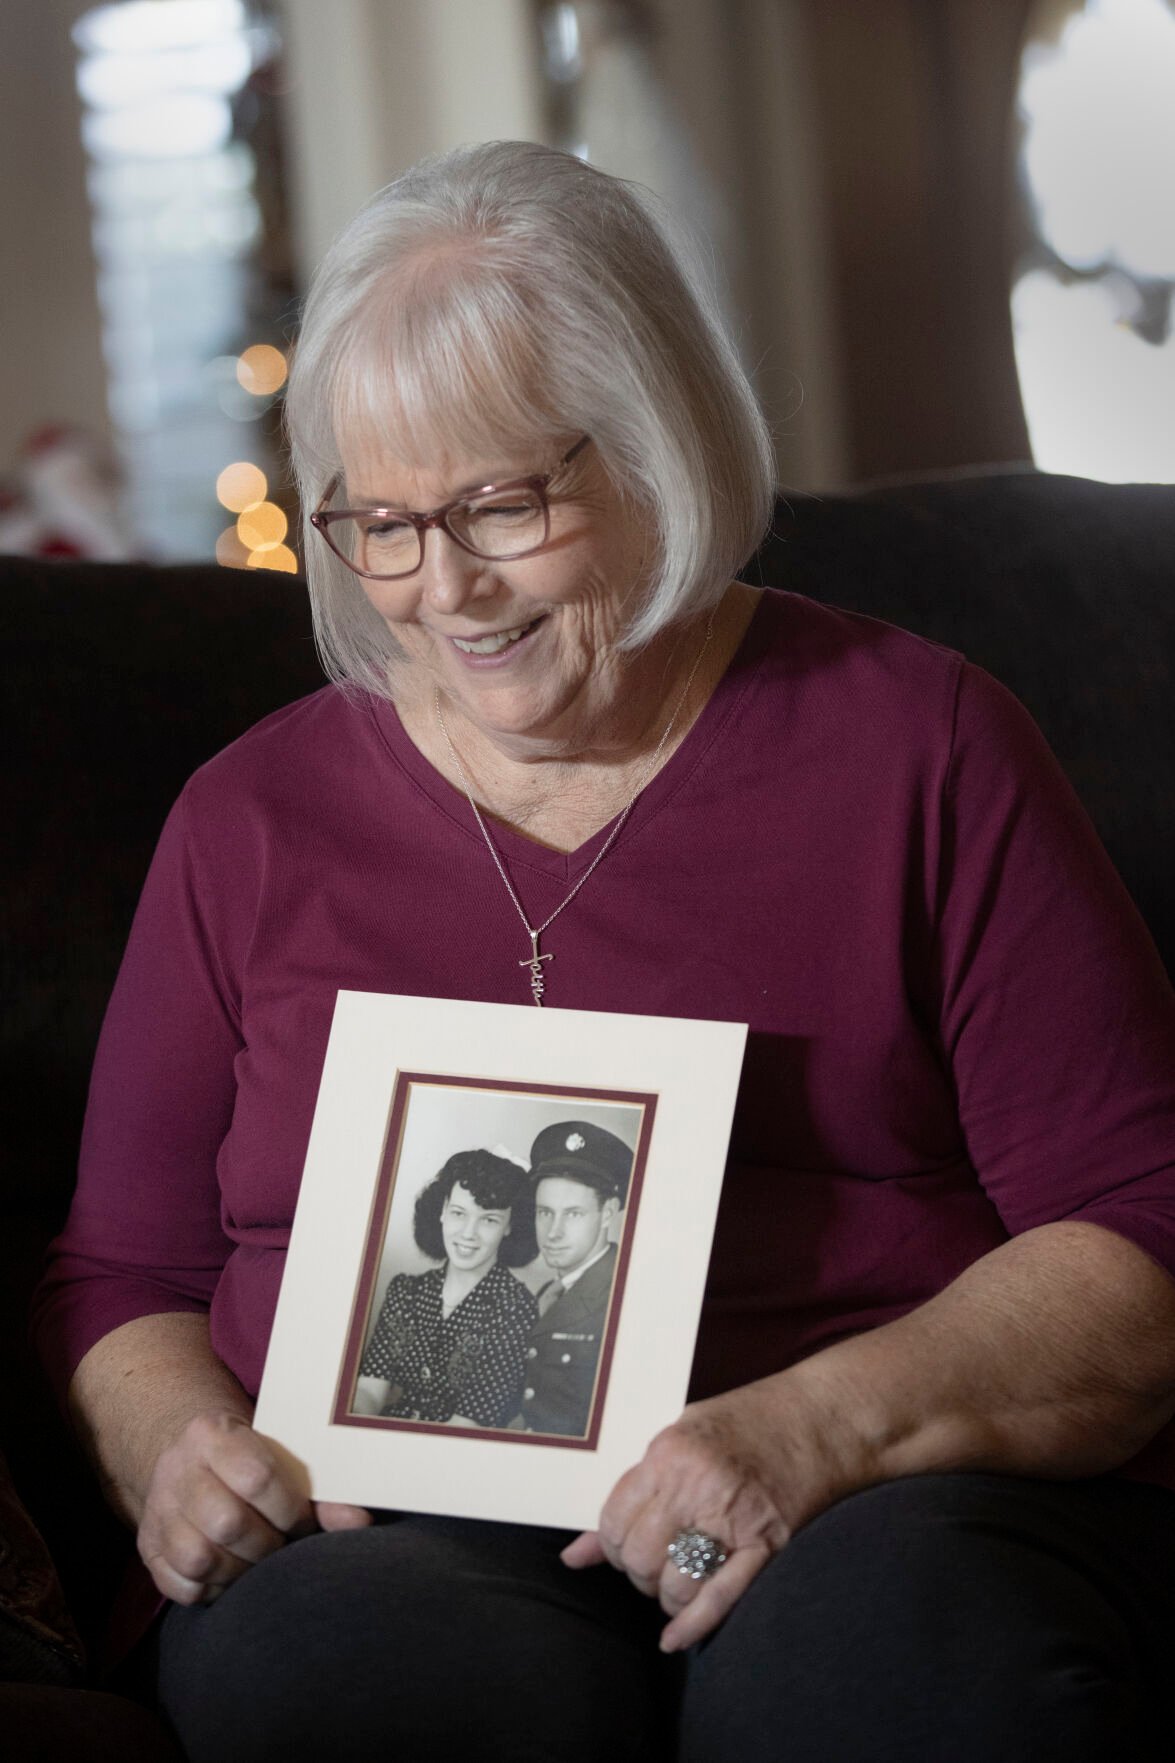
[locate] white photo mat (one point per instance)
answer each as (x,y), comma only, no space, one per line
(407,1081)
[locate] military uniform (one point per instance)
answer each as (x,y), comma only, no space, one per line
(564,1353)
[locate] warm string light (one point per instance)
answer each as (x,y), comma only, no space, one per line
(255,542)
(274,557)
(241,485)
(230,553)
(261,369)
(261,526)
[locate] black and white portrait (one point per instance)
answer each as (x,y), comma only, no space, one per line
(495,1202)
(490,1287)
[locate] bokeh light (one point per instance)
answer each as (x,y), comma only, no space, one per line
(229,550)
(134,76)
(183,123)
(224,390)
(262,526)
(274,557)
(261,369)
(240,485)
(144,25)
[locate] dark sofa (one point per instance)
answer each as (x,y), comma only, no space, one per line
(122,678)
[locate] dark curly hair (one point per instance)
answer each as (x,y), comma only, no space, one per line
(494,1183)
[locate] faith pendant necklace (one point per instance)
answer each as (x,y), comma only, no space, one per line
(534,961)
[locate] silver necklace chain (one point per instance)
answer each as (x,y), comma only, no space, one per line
(534,961)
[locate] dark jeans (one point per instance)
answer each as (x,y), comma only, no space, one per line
(975,1618)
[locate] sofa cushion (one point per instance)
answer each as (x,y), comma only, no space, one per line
(1061,588)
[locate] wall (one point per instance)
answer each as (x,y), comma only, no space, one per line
(716,115)
(739,81)
(374,85)
(915,101)
(851,165)
(52,364)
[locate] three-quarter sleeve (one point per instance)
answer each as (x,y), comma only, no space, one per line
(144,1234)
(1056,1012)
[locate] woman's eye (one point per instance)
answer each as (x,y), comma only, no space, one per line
(499,511)
(386,529)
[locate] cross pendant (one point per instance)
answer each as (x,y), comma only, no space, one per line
(535,962)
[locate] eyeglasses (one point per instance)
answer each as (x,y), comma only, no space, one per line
(498,522)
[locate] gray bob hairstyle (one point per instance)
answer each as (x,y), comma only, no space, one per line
(507,297)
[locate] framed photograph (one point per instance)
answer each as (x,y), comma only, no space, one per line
(496,1268)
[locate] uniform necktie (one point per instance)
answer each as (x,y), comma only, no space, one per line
(550,1294)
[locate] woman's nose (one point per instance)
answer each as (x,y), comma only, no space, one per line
(451,574)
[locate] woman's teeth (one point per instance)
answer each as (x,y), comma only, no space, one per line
(499,640)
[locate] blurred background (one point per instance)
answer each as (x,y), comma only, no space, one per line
(944,230)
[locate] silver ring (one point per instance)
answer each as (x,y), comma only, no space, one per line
(696,1553)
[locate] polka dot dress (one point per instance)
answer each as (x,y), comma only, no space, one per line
(469,1362)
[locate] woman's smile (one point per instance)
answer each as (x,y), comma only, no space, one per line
(496,643)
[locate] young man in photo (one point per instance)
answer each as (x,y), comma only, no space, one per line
(580,1175)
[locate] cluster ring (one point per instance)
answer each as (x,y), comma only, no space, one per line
(696,1554)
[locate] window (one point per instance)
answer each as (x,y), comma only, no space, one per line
(1092,303)
(172,96)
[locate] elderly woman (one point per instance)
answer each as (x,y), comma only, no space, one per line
(450,1344)
(569,756)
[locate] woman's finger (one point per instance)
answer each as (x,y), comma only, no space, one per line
(715,1598)
(228,1523)
(184,1564)
(332,1515)
(220,1500)
(171,1584)
(644,1554)
(586,1551)
(633,1495)
(247,1464)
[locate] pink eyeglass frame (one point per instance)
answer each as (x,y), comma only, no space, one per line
(324,518)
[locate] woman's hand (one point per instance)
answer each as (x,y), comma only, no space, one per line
(705,1472)
(1052,1355)
(219,1500)
(739,1467)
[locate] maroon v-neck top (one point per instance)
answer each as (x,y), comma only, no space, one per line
(959,1028)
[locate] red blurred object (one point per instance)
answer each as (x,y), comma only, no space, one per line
(61,500)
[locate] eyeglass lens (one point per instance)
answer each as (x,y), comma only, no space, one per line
(501,524)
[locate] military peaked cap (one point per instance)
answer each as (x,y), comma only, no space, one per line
(586,1153)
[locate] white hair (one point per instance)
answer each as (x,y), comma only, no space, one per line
(508,296)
